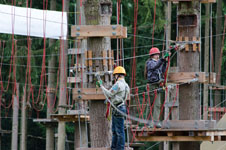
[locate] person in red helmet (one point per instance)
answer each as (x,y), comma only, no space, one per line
(155,68)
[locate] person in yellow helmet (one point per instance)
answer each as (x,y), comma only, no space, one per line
(118,95)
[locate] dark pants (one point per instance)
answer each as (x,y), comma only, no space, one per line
(118,134)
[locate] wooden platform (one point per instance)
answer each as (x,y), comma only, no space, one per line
(202,1)
(186,77)
(180,135)
(47,122)
(112,31)
(70,117)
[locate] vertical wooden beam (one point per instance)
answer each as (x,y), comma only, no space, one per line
(51,94)
(14,141)
(63,87)
(206,61)
(23,138)
(189,99)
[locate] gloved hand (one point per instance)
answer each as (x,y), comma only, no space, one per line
(166,55)
(99,83)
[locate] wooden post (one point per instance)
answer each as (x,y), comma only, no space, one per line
(168,37)
(188,61)
(218,44)
(63,87)
(206,62)
(98,13)
(80,135)
(23,138)
(14,142)
(51,92)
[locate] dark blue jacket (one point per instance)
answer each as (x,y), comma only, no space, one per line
(155,70)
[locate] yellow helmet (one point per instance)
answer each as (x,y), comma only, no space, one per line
(119,70)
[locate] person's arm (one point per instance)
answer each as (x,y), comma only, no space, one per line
(110,93)
(156,65)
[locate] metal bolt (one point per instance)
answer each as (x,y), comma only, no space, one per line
(79,97)
(77,33)
(114,27)
(78,28)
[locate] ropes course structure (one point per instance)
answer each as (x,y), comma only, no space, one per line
(39,97)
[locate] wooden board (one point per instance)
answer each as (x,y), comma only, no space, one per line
(89,94)
(189,124)
(73,79)
(47,122)
(202,1)
(217,87)
(180,135)
(85,31)
(70,118)
(185,77)
(75,51)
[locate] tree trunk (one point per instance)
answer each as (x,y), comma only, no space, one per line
(98,13)
(51,93)
(189,100)
(206,61)
(63,87)
(23,138)
(217,95)
(14,142)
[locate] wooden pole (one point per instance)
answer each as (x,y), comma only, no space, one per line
(98,13)
(23,138)
(188,61)
(218,44)
(51,92)
(14,142)
(81,128)
(168,37)
(206,61)
(63,87)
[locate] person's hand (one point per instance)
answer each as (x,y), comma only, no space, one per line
(167,55)
(99,83)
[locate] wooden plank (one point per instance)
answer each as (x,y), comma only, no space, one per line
(217,109)
(90,55)
(89,94)
(86,56)
(75,51)
(186,46)
(70,118)
(202,1)
(212,77)
(189,124)
(113,31)
(173,138)
(183,77)
(194,46)
(104,58)
(73,79)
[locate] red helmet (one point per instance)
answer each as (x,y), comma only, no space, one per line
(154,50)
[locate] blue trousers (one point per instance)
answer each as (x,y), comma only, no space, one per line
(118,133)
